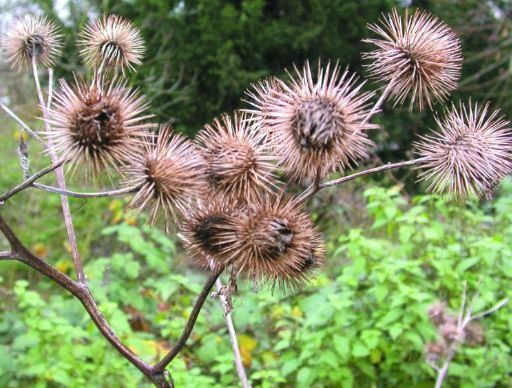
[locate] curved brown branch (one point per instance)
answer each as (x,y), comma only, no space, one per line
(160,366)
(82,293)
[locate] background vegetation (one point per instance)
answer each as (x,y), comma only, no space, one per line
(391,252)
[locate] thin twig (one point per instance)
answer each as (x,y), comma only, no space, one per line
(22,123)
(76,194)
(161,365)
(242,375)
(6,255)
(61,183)
(379,102)
(30,181)
(389,166)
(490,311)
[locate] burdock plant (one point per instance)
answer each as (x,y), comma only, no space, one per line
(229,193)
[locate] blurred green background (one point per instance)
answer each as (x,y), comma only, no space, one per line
(391,249)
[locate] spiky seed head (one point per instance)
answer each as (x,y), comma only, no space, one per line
(451,332)
(417,55)
(437,313)
(435,351)
(470,154)
(474,333)
(95,127)
(111,43)
(239,166)
(168,172)
(210,230)
(32,38)
(260,95)
(315,125)
(276,243)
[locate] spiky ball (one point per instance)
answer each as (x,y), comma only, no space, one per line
(276,243)
(168,172)
(239,166)
(316,125)
(210,230)
(112,43)
(32,38)
(95,127)
(471,154)
(416,56)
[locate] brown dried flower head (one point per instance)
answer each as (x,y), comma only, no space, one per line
(239,166)
(451,332)
(32,38)
(471,154)
(210,230)
(474,333)
(437,313)
(315,126)
(111,43)
(95,127)
(435,351)
(417,56)
(276,243)
(168,171)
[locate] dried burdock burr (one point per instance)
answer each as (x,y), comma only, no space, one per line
(435,351)
(32,38)
(416,56)
(277,243)
(96,127)
(111,43)
(470,154)
(239,166)
(474,333)
(168,172)
(451,332)
(315,124)
(437,313)
(210,230)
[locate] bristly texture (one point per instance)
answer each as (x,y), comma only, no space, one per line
(95,127)
(210,230)
(32,37)
(239,166)
(168,171)
(276,243)
(315,126)
(471,154)
(111,43)
(417,55)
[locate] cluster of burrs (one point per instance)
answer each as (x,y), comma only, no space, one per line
(226,190)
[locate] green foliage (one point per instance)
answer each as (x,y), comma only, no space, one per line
(363,322)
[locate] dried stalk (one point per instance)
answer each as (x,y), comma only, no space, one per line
(242,375)
(61,183)
(76,194)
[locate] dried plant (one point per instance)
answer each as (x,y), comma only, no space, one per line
(454,331)
(416,56)
(95,127)
(32,38)
(315,126)
(111,43)
(222,189)
(470,155)
(168,171)
(238,162)
(276,243)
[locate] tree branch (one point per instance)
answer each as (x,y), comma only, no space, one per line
(69,193)
(6,255)
(232,336)
(160,366)
(30,181)
(80,291)
(389,166)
